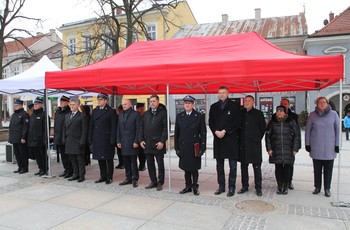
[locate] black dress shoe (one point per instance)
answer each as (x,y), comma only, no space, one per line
(291,186)
(37,173)
(151,185)
(219,191)
(119,166)
(17,171)
(243,190)
(81,179)
(231,192)
(73,178)
(109,181)
(43,174)
(68,175)
(63,174)
(135,183)
(125,182)
(195,192)
(185,190)
(142,168)
(100,180)
(258,192)
(159,187)
(327,193)
(316,191)
(23,171)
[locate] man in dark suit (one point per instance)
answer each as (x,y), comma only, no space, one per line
(37,138)
(252,130)
(75,139)
(60,114)
(102,136)
(190,143)
(127,141)
(153,136)
(224,121)
(18,131)
(285,102)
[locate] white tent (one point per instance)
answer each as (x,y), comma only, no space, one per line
(32,81)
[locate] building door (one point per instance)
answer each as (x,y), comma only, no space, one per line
(266,106)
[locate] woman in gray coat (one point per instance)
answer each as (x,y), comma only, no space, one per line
(322,142)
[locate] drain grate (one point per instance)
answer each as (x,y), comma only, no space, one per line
(255,206)
(39,180)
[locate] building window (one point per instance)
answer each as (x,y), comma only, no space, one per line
(4,73)
(135,37)
(151,31)
(87,43)
(72,46)
(16,69)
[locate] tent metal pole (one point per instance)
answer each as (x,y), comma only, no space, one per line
(169,127)
(47,136)
(206,112)
(340,203)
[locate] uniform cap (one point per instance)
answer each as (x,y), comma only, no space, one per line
(64,98)
(18,102)
(189,98)
(102,95)
(38,100)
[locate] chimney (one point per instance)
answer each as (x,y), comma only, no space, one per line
(224,18)
(118,11)
(257,14)
(331,16)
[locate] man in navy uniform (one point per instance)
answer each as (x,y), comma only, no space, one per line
(102,136)
(60,114)
(190,143)
(18,131)
(36,136)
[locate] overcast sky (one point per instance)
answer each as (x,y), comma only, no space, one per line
(56,12)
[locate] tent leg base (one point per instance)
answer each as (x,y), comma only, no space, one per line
(340,204)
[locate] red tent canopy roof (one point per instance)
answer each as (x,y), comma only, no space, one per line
(243,62)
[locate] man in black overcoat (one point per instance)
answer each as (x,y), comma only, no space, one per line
(59,124)
(127,141)
(224,122)
(153,136)
(18,131)
(251,132)
(75,138)
(37,137)
(102,136)
(190,132)
(286,103)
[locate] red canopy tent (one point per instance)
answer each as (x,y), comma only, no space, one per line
(243,62)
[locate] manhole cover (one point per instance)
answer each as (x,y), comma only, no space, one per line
(255,206)
(39,180)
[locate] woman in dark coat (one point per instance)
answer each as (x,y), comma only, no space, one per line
(85,109)
(282,143)
(190,131)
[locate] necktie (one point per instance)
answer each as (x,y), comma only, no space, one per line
(72,115)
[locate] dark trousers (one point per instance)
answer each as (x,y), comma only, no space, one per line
(327,166)
(152,168)
(257,175)
(40,157)
(291,173)
(220,163)
(67,165)
(347,133)
(20,151)
(78,164)
(282,173)
(131,170)
(142,158)
(106,169)
(120,157)
(191,178)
